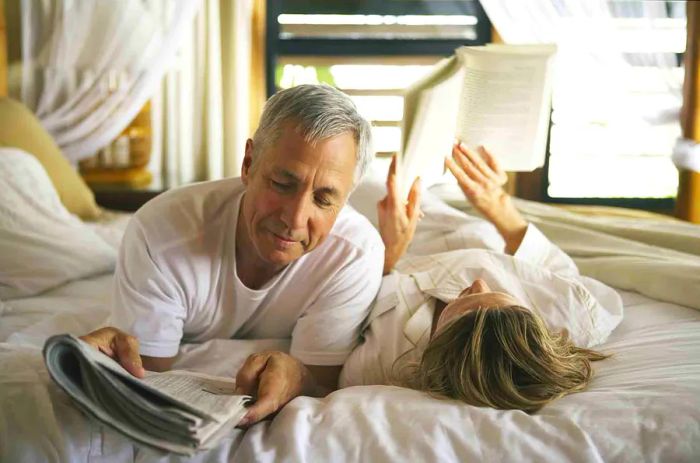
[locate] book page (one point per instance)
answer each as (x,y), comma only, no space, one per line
(441,71)
(505,103)
(432,134)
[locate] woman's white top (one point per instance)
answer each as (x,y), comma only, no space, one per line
(540,276)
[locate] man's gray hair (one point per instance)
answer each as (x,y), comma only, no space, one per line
(320,112)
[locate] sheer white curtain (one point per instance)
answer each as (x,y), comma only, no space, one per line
(89,66)
(201,110)
(618,88)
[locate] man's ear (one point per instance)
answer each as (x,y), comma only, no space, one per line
(247,161)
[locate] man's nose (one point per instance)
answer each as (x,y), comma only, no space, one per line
(296,211)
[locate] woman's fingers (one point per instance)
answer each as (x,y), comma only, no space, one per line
(413,207)
(468,166)
(477,160)
(499,174)
(391,186)
(468,186)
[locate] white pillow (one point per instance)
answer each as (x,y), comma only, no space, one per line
(42,245)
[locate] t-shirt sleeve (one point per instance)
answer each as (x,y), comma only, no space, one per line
(145,303)
(536,249)
(330,328)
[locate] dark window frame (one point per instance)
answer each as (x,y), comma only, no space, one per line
(366,47)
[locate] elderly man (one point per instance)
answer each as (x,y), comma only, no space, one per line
(272,254)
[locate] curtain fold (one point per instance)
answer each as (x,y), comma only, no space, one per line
(201,112)
(89,67)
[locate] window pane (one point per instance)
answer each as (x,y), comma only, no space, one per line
(614,125)
(379,108)
(386,139)
(374,26)
(377,76)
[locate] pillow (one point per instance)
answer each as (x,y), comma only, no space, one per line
(42,245)
(19,128)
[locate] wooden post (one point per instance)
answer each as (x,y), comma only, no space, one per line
(258,91)
(688,199)
(3,51)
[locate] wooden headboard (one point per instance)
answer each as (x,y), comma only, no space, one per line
(3,51)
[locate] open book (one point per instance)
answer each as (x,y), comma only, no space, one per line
(177,411)
(498,96)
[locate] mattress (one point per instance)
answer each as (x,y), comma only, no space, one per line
(643,404)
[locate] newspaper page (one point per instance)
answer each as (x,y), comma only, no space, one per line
(177,411)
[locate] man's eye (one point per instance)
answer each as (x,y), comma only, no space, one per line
(281,186)
(323,201)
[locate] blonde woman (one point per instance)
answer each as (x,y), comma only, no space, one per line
(506,322)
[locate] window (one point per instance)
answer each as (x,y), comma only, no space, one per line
(615,149)
(371,50)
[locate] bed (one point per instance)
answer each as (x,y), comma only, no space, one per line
(643,405)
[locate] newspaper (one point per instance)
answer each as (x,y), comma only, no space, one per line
(176,411)
(498,96)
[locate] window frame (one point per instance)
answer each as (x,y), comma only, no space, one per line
(365,47)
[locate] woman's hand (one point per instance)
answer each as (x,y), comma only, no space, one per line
(397,219)
(481,179)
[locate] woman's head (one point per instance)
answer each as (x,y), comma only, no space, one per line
(488,351)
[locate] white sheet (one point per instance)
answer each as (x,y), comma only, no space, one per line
(644,403)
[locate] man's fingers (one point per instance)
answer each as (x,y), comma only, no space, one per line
(267,402)
(119,346)
(126,349)
(248,376)
(272,394)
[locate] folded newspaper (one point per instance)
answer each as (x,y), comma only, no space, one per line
(177,411)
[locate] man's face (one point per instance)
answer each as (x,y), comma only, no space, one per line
(294,195)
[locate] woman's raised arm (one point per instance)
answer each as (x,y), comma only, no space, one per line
(481,179)
(397,218)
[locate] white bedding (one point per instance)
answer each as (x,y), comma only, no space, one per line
(644,403)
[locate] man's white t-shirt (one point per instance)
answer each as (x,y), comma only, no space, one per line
(540,276)
(176,280)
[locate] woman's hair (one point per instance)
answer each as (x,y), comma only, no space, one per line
(504,358)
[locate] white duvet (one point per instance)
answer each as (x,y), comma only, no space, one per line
(643,405)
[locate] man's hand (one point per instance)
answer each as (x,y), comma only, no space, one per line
(119,346)
(397,219)
(273,379)
(481,179)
